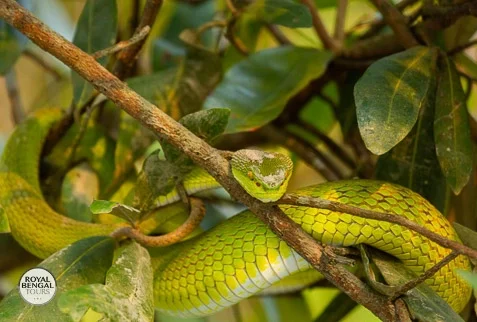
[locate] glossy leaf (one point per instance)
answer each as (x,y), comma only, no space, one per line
(390,94)
(83,262)
(282,12)
(96,30)
(451,127)
(257,88)
(423,303)
(413,162)
(114,208)
(12,42)
(460,32)
(127,294)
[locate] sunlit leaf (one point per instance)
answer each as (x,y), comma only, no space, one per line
(451,127)
(96,30)
(81,263)
(389,96)
(127,294)
(257,88)
(80,186)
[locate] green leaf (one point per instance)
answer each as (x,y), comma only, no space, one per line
(96,30)
(282,12)
(423,303)
(451,127)
(390,94)
(460,32)
(257,88)
(157,178)
(466,235)
(206,124)
(12,42)
(127,295)
(115,208)
(413,162)
(79,188)
(181,90)
(83,262)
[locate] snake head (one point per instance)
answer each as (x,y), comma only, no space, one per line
(264,175)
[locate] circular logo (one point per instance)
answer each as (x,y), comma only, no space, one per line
(37,286)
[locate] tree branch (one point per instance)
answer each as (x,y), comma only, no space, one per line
(322,33)
(307,201)
(137,37)
(199,151)
(128,56)
(397,22)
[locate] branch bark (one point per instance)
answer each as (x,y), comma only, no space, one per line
(199,151)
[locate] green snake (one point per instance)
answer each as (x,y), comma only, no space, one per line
(241,256)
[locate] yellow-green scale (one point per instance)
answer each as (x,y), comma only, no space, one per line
(241,256)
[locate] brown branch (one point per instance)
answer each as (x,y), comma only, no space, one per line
(127,57)
(402,289)
(137,37)
(299,200)
(43,63)
(277,34)
(332,146)
(18,114)
(197,213)
(398,23)
(199,151)
(463,47)
(321,32)
(236,42)
(339,33)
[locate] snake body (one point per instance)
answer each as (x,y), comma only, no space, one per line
(240,256)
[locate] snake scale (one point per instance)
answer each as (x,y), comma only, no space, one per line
(240,256)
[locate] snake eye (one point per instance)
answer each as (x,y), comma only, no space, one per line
(257,184)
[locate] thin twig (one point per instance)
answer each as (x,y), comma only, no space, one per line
(17,112)
(43,63)
(299,200)
(277,34)
(339,33)
(463,47)
(236,42)
(127,57)
(199,151)
(321,32)
(332,146)
(210,24)
(123,44)
(398,23)
(79,136)
(402,289)
(305,150)
(197,213)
